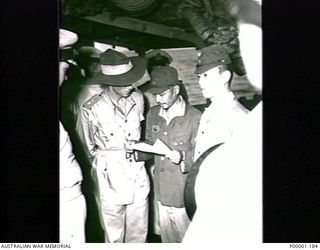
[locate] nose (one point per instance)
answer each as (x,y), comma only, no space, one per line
(129,87)
(200,80)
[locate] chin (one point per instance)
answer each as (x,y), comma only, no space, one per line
(165,106)
(126,94)
(205,94)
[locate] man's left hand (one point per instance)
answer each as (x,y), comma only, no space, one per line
(174,156)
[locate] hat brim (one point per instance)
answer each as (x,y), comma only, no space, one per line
(203,68)
(90,81)
(160,89)
(126,79)
(158,52)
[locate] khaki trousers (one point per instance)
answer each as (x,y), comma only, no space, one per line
(125,223)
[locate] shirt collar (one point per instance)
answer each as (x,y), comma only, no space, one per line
(223,103)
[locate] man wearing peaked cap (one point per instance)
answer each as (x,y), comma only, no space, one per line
(72,201)
(220,119)
(174,122)
(233,172)
(157,57)
(215,76)
(107,122)
(212,56)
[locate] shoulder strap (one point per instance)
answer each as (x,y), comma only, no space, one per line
(93,100)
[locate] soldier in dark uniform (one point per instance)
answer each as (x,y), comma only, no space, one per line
(175,122)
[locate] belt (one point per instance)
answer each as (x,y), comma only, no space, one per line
(103,151)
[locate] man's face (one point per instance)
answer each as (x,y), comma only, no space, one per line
(212,83)
(168,97)
(123,91)
(63,67)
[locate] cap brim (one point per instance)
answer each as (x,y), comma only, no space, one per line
(158,52)
(126,79)
(203,68)
(159,89)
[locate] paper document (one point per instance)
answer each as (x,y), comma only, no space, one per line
(159,147)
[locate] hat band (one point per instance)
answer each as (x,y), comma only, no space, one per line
(116,69)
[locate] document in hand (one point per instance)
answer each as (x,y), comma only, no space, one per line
(159,147)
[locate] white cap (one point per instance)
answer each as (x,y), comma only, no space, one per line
(67,38)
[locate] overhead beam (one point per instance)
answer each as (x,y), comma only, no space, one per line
(145,27)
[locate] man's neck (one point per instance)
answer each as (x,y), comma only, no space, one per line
(224,98)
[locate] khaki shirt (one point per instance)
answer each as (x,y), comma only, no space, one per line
(217,124)
(104,128)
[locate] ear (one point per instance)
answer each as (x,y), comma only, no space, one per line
(177,89)
(226,75)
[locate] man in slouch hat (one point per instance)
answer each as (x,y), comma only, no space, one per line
(107,122)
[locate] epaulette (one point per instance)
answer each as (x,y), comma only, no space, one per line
(93,100)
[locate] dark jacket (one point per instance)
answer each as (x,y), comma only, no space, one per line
(179,134)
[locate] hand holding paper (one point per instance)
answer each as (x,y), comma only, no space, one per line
(174,156)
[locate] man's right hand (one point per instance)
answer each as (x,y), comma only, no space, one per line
(129,146)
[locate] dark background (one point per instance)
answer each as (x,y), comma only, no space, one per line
(29,121)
